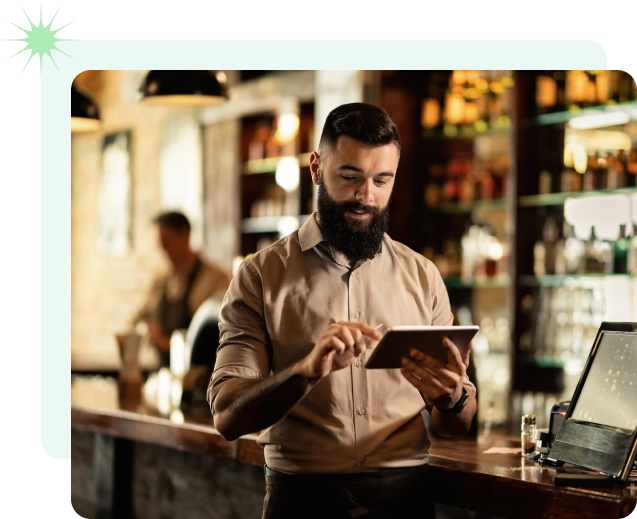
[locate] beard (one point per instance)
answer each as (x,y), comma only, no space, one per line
(357,240)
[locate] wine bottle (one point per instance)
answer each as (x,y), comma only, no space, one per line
(550,236)
(591,173)
(545,182)
(620,256)
(545,92)
(620,166)
(602,172)
(612,177)
(613,86)
(568,179)
(591,89)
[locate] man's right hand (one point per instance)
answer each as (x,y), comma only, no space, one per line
(338,346)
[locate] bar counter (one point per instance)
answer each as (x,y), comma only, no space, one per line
(113,478)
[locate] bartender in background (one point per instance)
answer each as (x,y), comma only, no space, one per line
(176,295)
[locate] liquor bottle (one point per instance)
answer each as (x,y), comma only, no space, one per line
(601,82)
(486,184)
(500,167)
(612,175)
(620,166)
(591,89)
(539,259)
(631,168)
(590,174)
(495,103)
(430,115)
(632,255)
(626,88)
(602,174)
(576,89)
(545,182)
(568,180)
(433,189)
(573,251)
(550,236)
(613,86)
(620,253)
(545,93)
(450,189)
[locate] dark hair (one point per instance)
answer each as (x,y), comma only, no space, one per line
(362,122)
(174,220)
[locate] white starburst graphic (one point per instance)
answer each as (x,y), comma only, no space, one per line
(40,39)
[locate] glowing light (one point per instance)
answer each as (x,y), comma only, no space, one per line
(287,225)
(600,120)
(287,126)
(605,213)
(288,173)
(580,158)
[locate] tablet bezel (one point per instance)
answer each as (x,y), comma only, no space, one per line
(390,353)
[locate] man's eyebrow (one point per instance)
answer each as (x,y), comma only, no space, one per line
(347,167)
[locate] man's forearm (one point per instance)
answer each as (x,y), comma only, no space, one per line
(454,425)
(247,405)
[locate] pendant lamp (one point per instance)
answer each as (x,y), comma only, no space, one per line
(84,113)
(184,88)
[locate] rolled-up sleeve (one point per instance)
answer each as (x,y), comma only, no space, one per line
(244,344)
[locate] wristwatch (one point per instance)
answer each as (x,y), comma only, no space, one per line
(457,409)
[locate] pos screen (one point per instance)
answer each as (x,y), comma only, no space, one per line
(609,395)
(599,431)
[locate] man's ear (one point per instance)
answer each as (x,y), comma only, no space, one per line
(315,168)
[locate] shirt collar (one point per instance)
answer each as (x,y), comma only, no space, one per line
(310,233)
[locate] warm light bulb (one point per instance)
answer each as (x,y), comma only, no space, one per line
(288,173)
(287,126)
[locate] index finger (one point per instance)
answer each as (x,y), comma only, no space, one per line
(365,329)
(453,355)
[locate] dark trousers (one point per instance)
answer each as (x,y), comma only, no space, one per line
(386,493)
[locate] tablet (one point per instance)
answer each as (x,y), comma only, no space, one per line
(397,342)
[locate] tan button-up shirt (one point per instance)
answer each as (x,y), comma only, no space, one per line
(279,303)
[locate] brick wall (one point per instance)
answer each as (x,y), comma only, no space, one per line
(106,290)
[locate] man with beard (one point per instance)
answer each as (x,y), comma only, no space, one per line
(296,324)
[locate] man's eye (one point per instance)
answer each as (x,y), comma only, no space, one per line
(380,182)
(348,179)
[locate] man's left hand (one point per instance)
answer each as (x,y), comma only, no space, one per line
(441,385)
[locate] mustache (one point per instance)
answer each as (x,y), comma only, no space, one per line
(357,206)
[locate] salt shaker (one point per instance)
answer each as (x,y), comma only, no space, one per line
(528,432)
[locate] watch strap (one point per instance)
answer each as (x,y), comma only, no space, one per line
(460,404)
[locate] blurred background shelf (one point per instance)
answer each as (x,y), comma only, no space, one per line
(269,165)
(560,198)
(573,280)
(501,281)
(467,207)
(629,107)
(278,224)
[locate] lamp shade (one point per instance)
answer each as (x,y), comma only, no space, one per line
(85,115)
(184,87)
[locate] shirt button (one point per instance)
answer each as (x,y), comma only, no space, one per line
(361,411)
(357,315)
(359,363)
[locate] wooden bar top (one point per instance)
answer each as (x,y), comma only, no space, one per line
(462,473)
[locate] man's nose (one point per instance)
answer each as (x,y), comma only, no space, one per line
(364,194)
